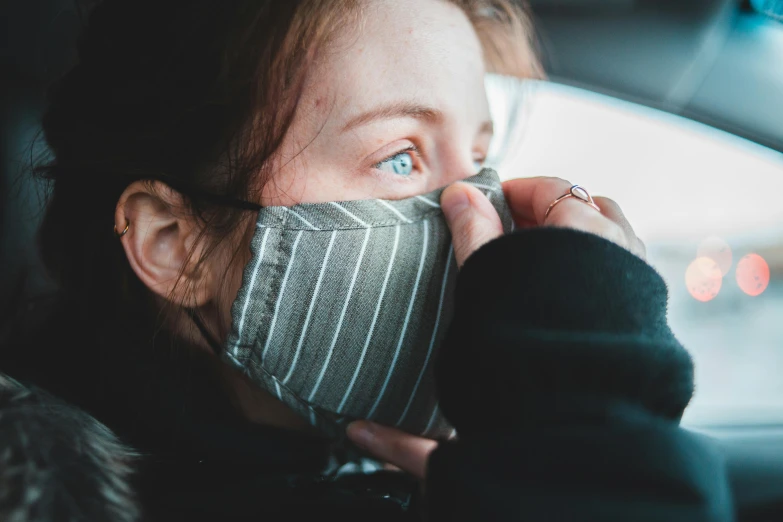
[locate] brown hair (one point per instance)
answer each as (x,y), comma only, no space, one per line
(197,94)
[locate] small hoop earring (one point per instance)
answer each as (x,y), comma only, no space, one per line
(125,231)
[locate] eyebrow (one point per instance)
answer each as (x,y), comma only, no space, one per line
(400,109)
(405,109)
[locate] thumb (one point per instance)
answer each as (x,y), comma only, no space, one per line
(471,217)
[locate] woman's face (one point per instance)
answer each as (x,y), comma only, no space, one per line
(394,108)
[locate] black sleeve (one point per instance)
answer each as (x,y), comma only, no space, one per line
(566,387)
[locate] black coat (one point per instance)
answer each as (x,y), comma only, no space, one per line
(559,371)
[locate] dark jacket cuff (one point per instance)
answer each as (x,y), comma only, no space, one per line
(554,325)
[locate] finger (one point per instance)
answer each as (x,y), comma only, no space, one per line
(407,452)
(471,217)
(529,198)
(612,210)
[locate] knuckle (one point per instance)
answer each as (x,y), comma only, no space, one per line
(559,181)
(607,201)
(559,184)
(610,206)
(617,235)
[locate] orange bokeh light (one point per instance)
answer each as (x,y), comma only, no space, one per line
(753,274)
(718,250)
(703,278)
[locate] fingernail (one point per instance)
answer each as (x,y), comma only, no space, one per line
(454,201)
(361,433)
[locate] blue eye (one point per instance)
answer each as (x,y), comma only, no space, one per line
(401,163)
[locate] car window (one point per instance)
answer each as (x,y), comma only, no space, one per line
(709,207)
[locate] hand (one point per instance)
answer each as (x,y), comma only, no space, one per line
(474,222)
(403,450)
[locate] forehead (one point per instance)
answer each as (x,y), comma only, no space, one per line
(422,50)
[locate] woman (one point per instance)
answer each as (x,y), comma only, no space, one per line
(281,266)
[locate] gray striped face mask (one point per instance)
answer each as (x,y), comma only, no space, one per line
(343,305)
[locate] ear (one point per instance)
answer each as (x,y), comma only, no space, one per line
(162,243)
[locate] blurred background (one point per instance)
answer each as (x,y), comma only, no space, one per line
(672,107)
(706,203)
(675,110)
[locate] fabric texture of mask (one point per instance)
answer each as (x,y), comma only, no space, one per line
(343,305)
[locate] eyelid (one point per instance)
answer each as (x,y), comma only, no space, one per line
(411,148)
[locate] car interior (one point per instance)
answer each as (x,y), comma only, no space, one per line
(718,63)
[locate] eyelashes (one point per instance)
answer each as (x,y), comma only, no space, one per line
(403,163)
(400,163)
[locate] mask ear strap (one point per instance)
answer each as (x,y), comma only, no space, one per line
(216,347)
